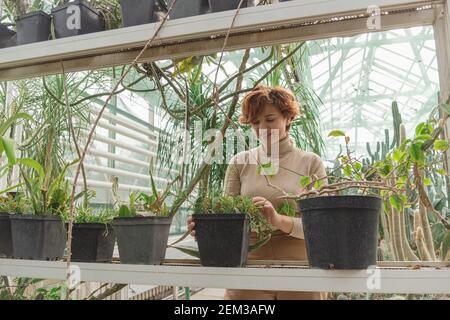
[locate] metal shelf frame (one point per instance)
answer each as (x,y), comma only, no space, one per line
(382,279)
(284,22)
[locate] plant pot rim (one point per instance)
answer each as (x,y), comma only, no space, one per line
(142,220)
(93,225)
(4,214)
(34,13)
(236,216)
(340,201)
(35,217)
(76,2)
(343,196)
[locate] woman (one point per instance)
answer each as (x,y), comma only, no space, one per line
(270,112)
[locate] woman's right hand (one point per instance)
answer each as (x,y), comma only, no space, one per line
(191,226)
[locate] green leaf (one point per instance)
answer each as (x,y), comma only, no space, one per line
(154,190)
(395,202)
(124,211)
(440,145)
(347,170)
(424,128)
(442,172)
(423,137)
(267,169)
(427,181)
(305,181)
(358,166)
(397,155)
(440,204)
(401,181)
(385,169)
(259,243)
(4,126)
(10,150)
(416,153)
(192,251)
(318,184)
(33,164)
(336,133)
(445,247)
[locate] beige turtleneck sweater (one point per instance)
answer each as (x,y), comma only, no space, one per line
(243,177)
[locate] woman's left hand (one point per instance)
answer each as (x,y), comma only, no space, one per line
(267,210)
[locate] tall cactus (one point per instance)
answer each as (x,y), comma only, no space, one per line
(385,146)
(407,251)
(426,229)
(397,117)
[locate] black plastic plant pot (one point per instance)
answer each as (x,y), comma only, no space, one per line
(137,12)
(221,5)
(188,8)
(142,240)
(76,18)
(93,242)
(5,236)
(341,232)
(223,239)
(38,237)
(33,27)
(7,37)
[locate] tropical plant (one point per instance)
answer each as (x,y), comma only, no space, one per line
(45,195)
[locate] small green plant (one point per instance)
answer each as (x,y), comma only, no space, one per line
(142,203)
(237,205)
(286,209)
(90,215)
(13,203)
(46,196)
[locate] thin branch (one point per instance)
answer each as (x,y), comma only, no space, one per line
(91,133)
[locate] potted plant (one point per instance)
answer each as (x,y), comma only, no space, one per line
(7,36)
(142,227)
(76,18)
(33,27)
(188,8)
(223,225)
(220,5)
(93,237)
(10,202)
(341,219)
(341,225)
(41,235)
(6,205)
(137,12)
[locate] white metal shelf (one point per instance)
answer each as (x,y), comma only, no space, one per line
(284,278)
(255,26)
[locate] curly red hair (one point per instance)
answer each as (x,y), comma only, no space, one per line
(281,98)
